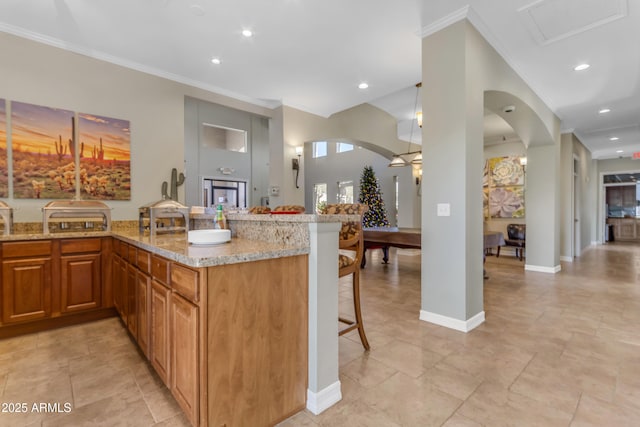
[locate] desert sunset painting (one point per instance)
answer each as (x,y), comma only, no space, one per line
(43,152)
(105,157)
(4,171)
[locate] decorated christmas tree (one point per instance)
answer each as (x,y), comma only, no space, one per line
(371,195)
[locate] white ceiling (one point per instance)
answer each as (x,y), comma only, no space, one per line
(312,54)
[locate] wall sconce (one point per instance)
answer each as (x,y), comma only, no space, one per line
(419,177)
(523,162)
(295,164)
(419,118)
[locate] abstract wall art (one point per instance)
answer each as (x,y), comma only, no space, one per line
(503,182)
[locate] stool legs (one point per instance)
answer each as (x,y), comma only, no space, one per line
(357,324)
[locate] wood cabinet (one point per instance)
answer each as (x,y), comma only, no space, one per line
(159,325)
(184,355)
(625,228)
(54,282)
(26,281)
(230,346)
(143,285)
(80,274)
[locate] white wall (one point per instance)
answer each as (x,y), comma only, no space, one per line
(252,166)
(584,210)
(43,75)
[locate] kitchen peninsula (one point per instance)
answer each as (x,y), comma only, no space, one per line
(233,330)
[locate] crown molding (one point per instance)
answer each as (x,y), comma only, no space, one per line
(445,21)
(468,13)
(101,56)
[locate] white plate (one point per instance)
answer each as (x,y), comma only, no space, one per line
(209,237)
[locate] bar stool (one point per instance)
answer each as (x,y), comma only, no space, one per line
(351,245)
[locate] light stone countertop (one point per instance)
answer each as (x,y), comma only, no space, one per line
(255,237)
(176,248)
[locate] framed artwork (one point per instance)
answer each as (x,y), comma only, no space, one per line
(506,171)
(105,157)
(503,188)
(485,202)
(4,167)
(506,202)
(43,152)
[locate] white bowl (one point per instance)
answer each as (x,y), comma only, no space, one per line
(209,237)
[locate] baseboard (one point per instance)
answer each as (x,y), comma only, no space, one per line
(324,399)
(450,322)
(12,330)
(596,242)
(542,269)
(566,258)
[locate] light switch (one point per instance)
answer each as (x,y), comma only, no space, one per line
(444,209)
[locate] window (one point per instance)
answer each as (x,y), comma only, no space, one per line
(319,195)
(224,138)
(342,147)
(345,192)
(319,149)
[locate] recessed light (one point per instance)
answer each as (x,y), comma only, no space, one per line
(216,61)
(604,111)
(247,33)
(363,85)
(581,67)
(614,138)
(619,151)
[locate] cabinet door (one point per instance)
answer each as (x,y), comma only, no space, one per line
(81,282)
(143,283)
(124,294)
(117,285)
(184,355)
(132,309)
(160,314)
(26,289)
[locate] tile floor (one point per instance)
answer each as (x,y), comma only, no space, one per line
(555,350)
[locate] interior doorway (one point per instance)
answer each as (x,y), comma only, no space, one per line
(575,208)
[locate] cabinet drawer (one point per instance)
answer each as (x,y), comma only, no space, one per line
(115,244)
(26,249)
(132,254)
(72,246)
(144,261)
(124,250)
(160,269)
(185,281)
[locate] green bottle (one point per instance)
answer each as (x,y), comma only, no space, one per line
(220,222)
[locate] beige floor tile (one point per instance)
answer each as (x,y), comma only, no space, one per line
(451,381)
(355,414)
(367,371)
(101,382)
(492,404)
(179,420)
(22,343)
(411,402)
(595,412)
(410,359)
(301,419)
(555,350)
(162,405)
(458,420)
(126,408)
(349,351)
